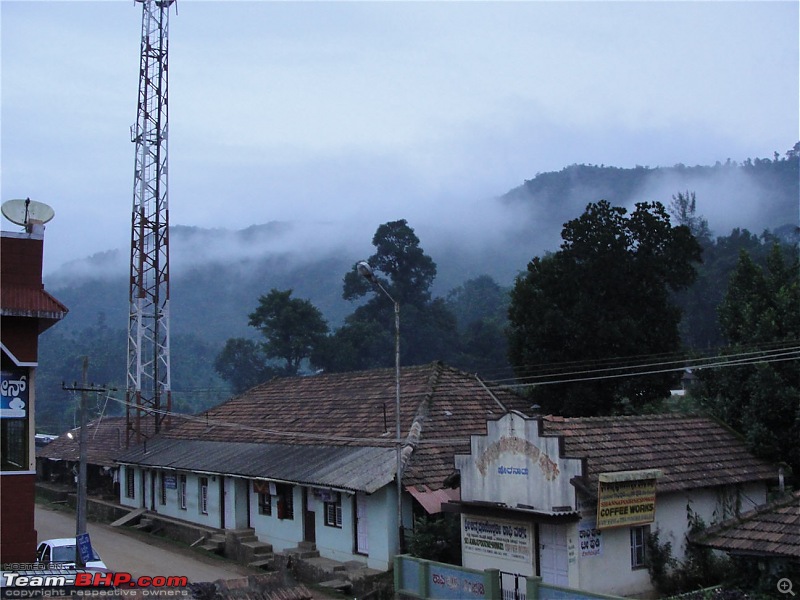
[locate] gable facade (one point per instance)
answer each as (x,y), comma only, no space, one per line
(536,500)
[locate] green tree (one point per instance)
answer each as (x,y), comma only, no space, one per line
(606,294)
(243,364)
(684,209)
(700,328)
(292,327)
(399,257)
(761,311)
(480,306)
(366,339)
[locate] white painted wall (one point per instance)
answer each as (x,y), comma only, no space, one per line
(172,507)
(332,542)
(281,533)
(336,543)
(134,502)
(610,571)
(514,466)
(383,529)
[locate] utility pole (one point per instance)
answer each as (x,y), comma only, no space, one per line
(80,509)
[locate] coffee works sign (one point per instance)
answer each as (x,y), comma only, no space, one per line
(626,498)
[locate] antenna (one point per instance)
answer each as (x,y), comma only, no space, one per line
(148,384)
(27,213)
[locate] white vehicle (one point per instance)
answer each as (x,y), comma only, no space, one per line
(62,551)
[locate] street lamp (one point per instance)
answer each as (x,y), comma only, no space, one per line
(366,271)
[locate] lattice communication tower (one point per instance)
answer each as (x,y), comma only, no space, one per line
(148,395)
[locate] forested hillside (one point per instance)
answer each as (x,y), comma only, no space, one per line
(214,291)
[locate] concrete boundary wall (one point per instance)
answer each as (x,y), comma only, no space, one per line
(419,578)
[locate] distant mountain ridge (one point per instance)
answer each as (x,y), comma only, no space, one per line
(218,274)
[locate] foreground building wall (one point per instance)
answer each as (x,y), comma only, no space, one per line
(531,490)
(26,310)
(344,526)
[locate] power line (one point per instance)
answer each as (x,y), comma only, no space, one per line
(684,360)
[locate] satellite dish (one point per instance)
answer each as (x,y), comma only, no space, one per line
(27,212)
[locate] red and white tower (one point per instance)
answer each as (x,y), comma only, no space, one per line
(148,381)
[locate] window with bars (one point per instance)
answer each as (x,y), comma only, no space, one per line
(182,492)
(639,546)
(265,504)
(14,444)
(130,482)
(203,500)
(333,512)
(163,488)
(285,501)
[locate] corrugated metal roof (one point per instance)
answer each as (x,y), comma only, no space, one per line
(362,469)
(432,500)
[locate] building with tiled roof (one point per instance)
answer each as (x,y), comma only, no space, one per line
(769,531)
(106,438)
(690,451)
(574,500)
(26,310)
(313,459)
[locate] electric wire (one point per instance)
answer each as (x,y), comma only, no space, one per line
(748,359)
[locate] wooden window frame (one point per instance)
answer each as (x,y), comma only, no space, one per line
(639,546)
(130,482)
(333,513)
(202,491)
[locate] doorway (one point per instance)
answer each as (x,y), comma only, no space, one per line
(362,524)
(309,519)
(553,558)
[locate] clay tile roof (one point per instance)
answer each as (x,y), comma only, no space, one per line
(691,451)
(105,440)
(440,408)
(769,530)
(21,300)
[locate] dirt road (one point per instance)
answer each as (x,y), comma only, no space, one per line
(146,556)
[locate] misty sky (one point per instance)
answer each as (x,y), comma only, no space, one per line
(344,115)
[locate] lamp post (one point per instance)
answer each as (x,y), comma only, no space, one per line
(366,271)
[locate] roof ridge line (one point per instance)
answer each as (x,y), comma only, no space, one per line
(488,391)
(415,430)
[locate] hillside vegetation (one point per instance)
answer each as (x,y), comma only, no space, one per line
(212,297)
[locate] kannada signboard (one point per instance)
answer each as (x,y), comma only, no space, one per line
(14,390)
(626,498)
(85,547)
(591,538)
(492,537)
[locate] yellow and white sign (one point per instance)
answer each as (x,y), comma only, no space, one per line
(626,498)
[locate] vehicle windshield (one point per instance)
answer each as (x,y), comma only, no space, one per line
(67,554)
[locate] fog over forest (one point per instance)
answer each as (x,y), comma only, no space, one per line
(466,236)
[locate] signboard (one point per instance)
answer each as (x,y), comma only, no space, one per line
(170,482)
(591,538)
(14,394)
(85,548)
(492,537)
(626,498)
(446,582)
